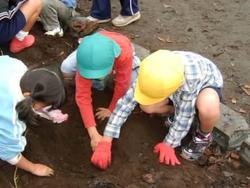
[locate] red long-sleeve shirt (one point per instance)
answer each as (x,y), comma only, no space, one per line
(122,69)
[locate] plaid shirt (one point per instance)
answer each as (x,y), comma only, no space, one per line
(199,73)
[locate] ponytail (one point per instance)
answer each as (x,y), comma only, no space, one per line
(25,111)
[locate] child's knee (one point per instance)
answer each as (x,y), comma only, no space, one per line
(209,111)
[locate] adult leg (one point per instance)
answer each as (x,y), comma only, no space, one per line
(101,9)
(129,7)
(129,13)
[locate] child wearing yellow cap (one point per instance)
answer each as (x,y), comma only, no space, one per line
(181,83)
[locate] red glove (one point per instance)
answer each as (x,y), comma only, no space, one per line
(102,155)
(167,154)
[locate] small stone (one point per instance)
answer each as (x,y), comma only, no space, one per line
(213,168)
(235,164)
(190,29)
(217,151)
(244,182)
(202,160)
(212,160)
(234,155)
(227,174)
(131,186)
(148,178)
(207,152)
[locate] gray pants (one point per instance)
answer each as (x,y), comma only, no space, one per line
(54,11)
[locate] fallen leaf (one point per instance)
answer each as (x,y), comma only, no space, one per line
(166,6)
(247,86)
(234,100)
(148,178)
(61,53)
(169,40)
(246,90)
(161,39)
(240,110)
(227,174)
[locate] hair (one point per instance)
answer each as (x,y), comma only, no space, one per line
(44,86)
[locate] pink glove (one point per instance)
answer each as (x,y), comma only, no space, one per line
(54,115)
(57,116)
(102,155)
(167,154)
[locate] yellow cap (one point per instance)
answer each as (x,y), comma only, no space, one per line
(160,75)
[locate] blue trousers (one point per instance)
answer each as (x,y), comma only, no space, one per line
(101,9)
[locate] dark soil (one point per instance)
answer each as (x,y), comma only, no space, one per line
(218,29)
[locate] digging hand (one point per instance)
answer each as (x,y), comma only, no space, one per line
(42,170)
(166,154)
(102,155)
(103,113)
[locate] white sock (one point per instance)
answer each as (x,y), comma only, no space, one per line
(21,35)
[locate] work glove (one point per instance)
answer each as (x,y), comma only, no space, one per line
(166,154)
(102,155)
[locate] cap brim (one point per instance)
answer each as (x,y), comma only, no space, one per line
(143,99)
(95,74)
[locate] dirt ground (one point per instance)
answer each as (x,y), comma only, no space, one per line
(217,29)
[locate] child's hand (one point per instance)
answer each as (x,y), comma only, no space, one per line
(166,154)
(95,140)
(102,113)
(42,170)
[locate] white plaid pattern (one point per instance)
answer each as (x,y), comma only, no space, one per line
(199,73)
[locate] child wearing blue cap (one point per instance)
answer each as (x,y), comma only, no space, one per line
(99,55)
(23,92)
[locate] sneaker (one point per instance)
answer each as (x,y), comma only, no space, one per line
(196,147)
(17,45)
(121,21)
(169,121)
(92,19)
(55,32)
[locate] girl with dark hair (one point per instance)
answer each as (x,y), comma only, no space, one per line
(21,93)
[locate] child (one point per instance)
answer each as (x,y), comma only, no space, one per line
(98,56)
(191,83)
(101,12)
(22,92)
(54,11)
(16,20)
